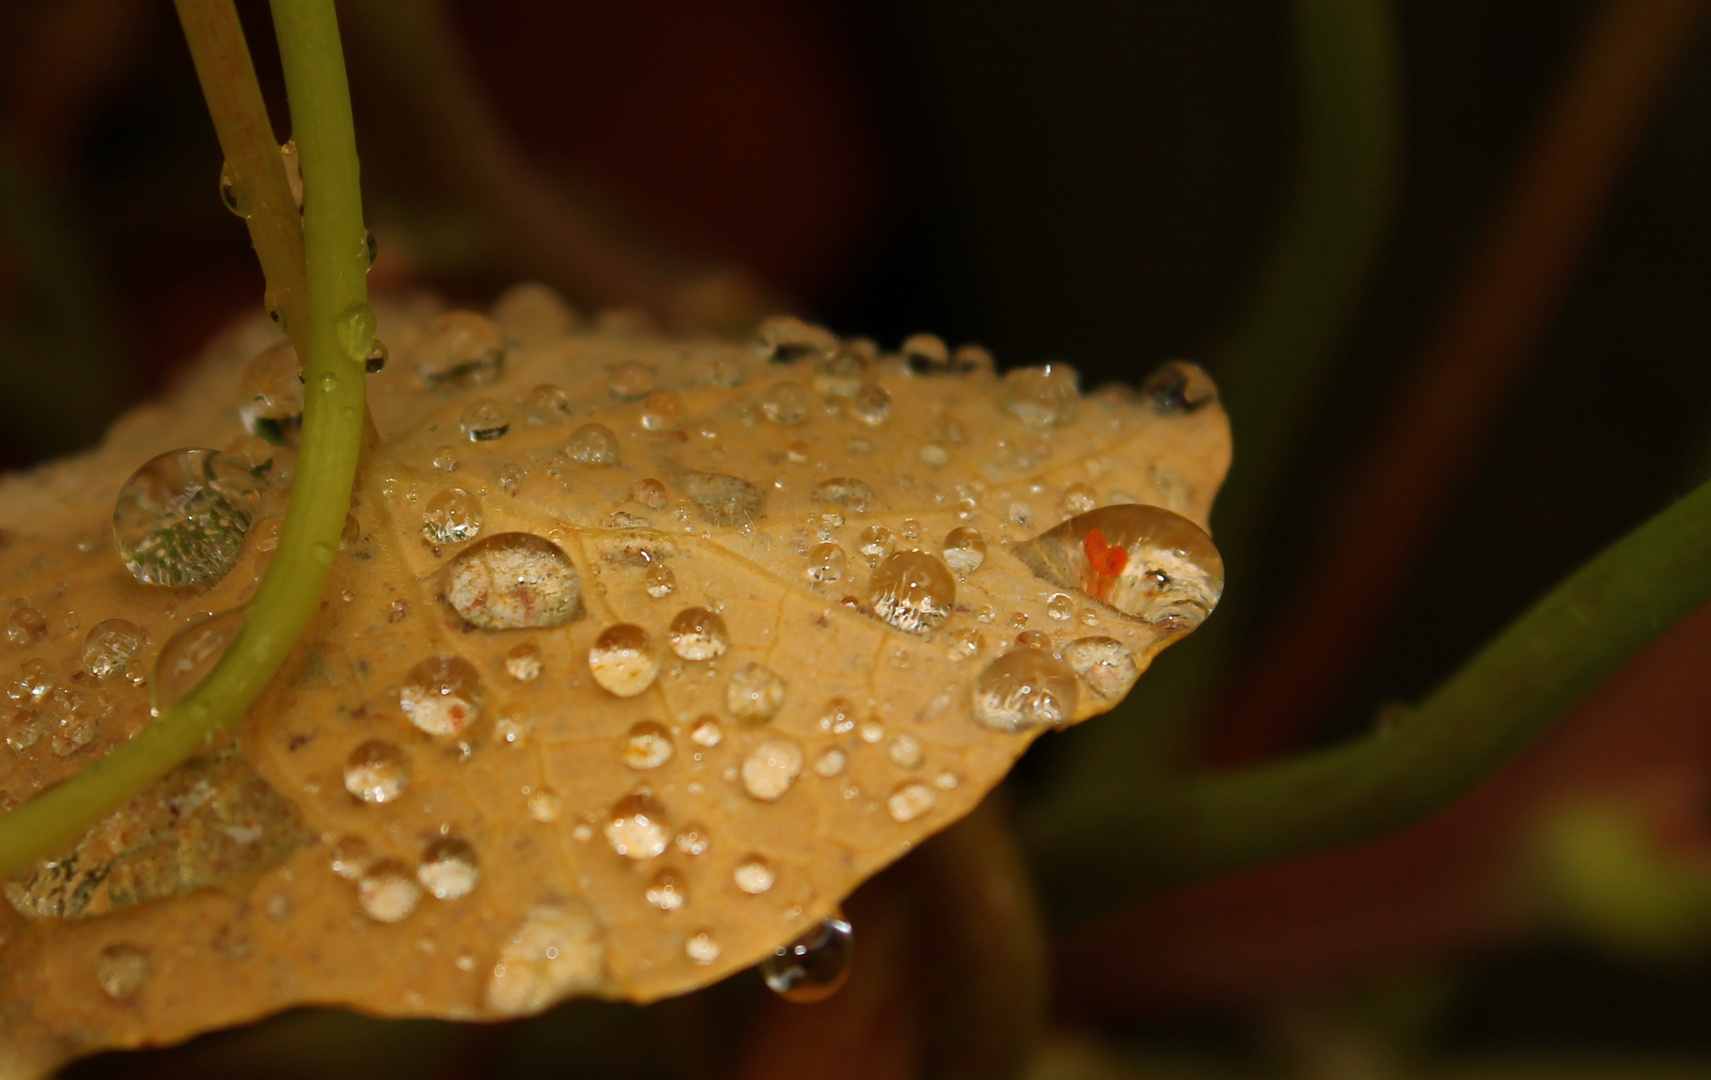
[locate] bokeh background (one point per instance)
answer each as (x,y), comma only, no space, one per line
(1105,184)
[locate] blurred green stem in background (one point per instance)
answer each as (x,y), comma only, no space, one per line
(1493,707)
(1273,368)
(336,330)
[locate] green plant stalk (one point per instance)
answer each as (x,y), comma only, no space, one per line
(337,332)
(1491,709)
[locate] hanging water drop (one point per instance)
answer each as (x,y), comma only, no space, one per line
(814,966)
(1145,561)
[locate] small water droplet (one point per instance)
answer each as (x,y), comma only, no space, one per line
(871,404)
(668,891)
(451,517)
(329,382)
(874,543)
(233,197)
(354,329)
(110,645)
(631,380)
(814,966)
(293,163)
(702,947)
(636,827)
(514,580)
(449,869)
(270,394)
(754,875)
(912,591)
(377,772)
(533,314)
(659,581)
(442,694)
(785,403)
(122,970)
(1105,664)
(662,409)
(1044,395)
(189,655)
(832,762)
(853,495)
(370,249)
(785,338)
(934,454)
(547,406)
(694,840)
(707,732)
(650,493)
(350,857)
(593,444)
(484,420)
(623,660)
(910,801)
(374,361)
(1061,606)
(26,626)
(459,349)
(904,751)
(523,662)
(1025,688)
(647,745)
(545,805)
(1080,498)
(926,354)
(754,693)
(1178,388)
(1034,639)
(723,499)
(445,459)
(182,517)
(698,634)
(826,562)
(771,768)
(388,892)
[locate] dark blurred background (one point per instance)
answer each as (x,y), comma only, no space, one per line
(1100,183)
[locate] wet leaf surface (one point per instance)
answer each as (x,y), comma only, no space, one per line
(613,724)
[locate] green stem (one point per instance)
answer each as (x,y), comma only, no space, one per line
(337,331)
(1497,704)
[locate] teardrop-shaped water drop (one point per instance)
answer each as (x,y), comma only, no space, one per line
(814,966)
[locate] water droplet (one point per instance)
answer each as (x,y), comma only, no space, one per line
(523,662)
(964,550)
(910,801)
(1178,388)
(871,404)
(189,655)
(593,444)
(814,966)
(707,732)
(109,647)
(912,591)
(649,493)
(623,660)
(904,751)
(1034,639)
(350,857)
(874,543)
(354,329)
(370,249)
(872,732)
(545,805)
(659,581)
(702,947)
(754,875)
(451,517)
(235,199)
(547,406)
(662,409)
(771,768)
(926,354)
(724,500)
(631,380)
(181,518)
(1044,395)
(511,727)
(754,693)
(647,746)
(1061,606)
(636,827)
(122,970)
(533,314)
(329,382)
(459,349)
(785,403)
(826,562)
(514,580)
(557,952)
(271,394)
(934,454)
(484,420)
(388,892)
(1105,664)
(445,459)
(1025,688)
(26,626)
(842,373)
(694,840)
(698,634)
(851,494)
(441,695)
(449,868)
(1144,561)
(1080,498)
(785,338)
(668,891)
(832,762)
(293,163)
(377,772)
(375,360)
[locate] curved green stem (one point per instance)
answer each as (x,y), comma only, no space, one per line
(336,333)
(1492,708)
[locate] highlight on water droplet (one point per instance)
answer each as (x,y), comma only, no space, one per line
(513,581)
(637,828)
(912,591)
(814,966)
(189,655)
(698,634)
(442,694)
(623,660)
(1023,689)
(182,517)
(451,517)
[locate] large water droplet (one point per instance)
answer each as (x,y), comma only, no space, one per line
(754,693)
(442,694)
(623,660)
(1105,664)
(514,580)
(647,745)
(814,966)
(122,970)
(912,591)
(181,518)
(698,634)
(449,868)
(636,827)
(771,768)
(109,646)
(1025,688)
(388,892)
(234,198)
(191,654)
(1144,561)
(377,772)
(724,500)
(754,875)
(457,349)
(1043,395)
(271,394)
(451,517)
(484,420)
(593,444)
